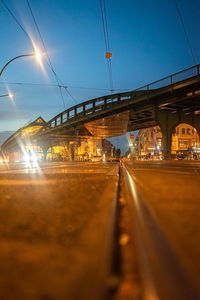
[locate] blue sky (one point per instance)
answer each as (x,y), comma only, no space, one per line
(146,39)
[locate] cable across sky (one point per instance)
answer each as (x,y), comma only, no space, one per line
(108,54)
(146,38)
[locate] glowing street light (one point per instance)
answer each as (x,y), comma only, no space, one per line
(37,54)
(7,95)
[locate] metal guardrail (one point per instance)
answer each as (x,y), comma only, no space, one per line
(98,104)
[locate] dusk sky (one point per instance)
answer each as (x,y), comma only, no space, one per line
(146,38)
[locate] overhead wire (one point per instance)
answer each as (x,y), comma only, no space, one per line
(60,84)
(185,31)
(48,57)
(107,43)
(54,85)
(27,35)
(14,17)
(105,26)
(16,20)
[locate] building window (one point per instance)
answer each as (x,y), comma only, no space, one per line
(192,131)
(194,143)
(159,142)
(183,130)
(188,131)
(183,144)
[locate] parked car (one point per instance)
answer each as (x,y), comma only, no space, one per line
(181,155)
(113,159)
(95,158)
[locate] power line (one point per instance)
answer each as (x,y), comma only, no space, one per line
(185,32)
(105,27)
(36,25)
(62,86)
(110,75)
(106,39)
(67,91)
(49,60)
(59,82)
(14,17)
(57,85)
(48,57)
(27,35)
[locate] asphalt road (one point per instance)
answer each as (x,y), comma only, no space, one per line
(170,191)
(54,223)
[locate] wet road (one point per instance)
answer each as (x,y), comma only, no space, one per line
(170,192)
(53,229)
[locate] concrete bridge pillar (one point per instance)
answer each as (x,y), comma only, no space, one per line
(167,125)
(72,150)
(44,149)
(168,122)
(74,143)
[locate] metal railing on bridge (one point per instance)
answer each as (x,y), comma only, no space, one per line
(102,103)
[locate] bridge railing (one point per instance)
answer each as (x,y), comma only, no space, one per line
(101,103)
(87,108)
(172,79)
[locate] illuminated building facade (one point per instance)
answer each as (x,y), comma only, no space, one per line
(58,149)
(25,146)
(148,142)
(184,137)
(88,148)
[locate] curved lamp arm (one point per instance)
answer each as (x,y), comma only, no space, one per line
(33,54)
(6,95)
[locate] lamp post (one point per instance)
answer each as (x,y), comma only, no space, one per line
(36,54)
(33,54)
(6,95)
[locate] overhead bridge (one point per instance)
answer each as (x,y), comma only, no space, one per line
(167,102)
(116,114)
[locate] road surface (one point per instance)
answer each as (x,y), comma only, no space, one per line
(53,229)
(58,229)
(168,204)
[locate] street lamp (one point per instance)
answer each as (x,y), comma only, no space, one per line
(37,54)
(7,95)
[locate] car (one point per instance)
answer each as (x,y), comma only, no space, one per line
(113,159)
(95,158)
(181,155)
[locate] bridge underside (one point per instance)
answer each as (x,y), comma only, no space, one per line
(121,123)
(110,126)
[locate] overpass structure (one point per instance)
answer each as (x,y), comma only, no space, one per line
(167,102)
